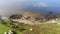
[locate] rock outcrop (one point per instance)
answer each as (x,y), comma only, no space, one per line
(33,18)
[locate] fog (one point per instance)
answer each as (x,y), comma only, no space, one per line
(9,7)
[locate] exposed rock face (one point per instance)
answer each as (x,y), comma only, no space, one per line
(31,18)
(28,18)
(15,16)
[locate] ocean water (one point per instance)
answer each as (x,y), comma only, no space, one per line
(9,7)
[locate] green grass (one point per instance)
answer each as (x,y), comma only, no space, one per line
(37,28)
(4,28)
(44,29)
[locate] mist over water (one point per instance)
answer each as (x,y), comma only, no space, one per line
(9,7)
(10,12)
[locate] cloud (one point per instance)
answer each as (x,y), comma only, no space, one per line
(9,7)
(41,4)
(12,4)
